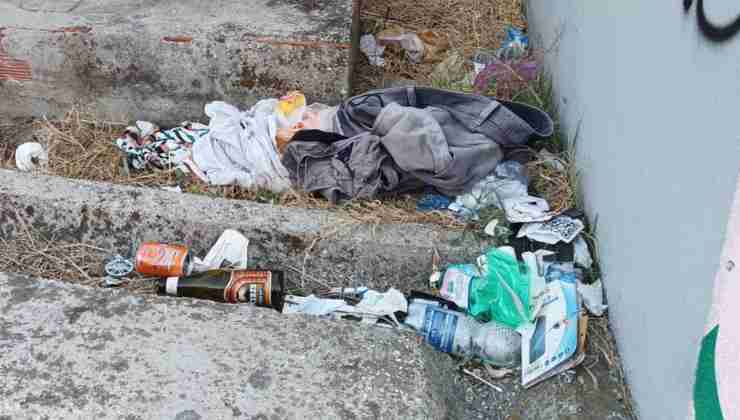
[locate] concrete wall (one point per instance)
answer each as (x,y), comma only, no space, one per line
(659,149)
(163,60)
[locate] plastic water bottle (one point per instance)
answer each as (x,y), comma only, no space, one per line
(455,332)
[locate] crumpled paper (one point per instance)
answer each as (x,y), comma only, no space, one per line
(561,228)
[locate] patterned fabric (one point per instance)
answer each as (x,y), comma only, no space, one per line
(146,145)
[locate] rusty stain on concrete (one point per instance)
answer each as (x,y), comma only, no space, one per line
(12,68)
(178,39)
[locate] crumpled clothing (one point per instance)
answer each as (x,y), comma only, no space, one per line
(358,167)
(405,149)
(506,123)
(317,136)
(240,147)
(144,144)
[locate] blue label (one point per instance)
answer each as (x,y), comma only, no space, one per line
(439,328)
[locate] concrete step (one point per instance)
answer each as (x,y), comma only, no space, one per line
(318,244)
(76,352)
(329,247)
(163,60)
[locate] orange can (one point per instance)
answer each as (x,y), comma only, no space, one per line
(163,260)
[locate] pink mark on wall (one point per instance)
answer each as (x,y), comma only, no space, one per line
(12,68)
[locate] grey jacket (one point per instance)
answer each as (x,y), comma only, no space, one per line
(405,149)
(506,123)
(405,138)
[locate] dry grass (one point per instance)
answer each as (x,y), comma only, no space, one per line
(553,185)
(82,148)
(602,344)
(467,24)
(31,253)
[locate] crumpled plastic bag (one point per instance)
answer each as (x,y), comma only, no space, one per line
(425,46)
(592,296)
(525,209)
(515,45)
(373,51)
(509,180)
(231,250)
(373,306)
(29,156)
(240,147)
(502,292)
(409,41)
(581,254)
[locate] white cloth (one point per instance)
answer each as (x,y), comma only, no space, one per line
(240,147)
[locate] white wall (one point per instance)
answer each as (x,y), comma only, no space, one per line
(659,149)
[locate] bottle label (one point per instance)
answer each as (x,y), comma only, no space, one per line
(456,283)
(249,286)
(439,328)
(171,286)
(161,260)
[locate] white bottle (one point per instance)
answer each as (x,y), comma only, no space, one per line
(455,332)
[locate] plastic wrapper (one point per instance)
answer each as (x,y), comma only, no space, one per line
(502,294)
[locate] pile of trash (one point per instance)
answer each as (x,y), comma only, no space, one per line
(510,309)
(520,304)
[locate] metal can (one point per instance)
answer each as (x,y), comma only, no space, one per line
(163,260)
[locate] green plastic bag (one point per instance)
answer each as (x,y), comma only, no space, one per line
(502,292)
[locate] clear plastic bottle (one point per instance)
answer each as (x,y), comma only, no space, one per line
(454,332)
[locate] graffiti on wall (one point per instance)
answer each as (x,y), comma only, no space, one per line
(713,32)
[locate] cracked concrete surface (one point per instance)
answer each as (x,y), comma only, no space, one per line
(76,352)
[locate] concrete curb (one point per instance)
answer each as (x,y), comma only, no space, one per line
(331,248)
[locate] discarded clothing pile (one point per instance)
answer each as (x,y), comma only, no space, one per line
(402,139)
(384,141)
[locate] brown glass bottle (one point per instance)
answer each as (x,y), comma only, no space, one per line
(259,287)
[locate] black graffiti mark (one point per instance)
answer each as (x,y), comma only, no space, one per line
(714,32)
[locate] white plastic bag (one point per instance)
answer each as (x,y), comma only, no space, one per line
(372,50)
(29,156)
(592,296)
(230,250)
(240,147)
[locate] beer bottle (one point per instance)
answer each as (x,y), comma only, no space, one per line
(259,287)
